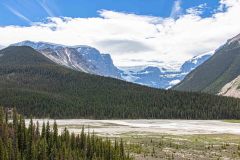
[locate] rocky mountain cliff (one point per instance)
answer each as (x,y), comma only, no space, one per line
(81,58)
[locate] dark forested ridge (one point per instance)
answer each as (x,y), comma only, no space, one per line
(36,86)
(35,142)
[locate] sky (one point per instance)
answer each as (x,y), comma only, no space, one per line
(134,32)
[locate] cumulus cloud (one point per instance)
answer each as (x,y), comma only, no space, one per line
(198,10)
(129,36)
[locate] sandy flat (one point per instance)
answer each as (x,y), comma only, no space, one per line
(141,127)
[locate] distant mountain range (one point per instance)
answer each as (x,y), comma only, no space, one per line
(90,60)
(219,74)
(160,77)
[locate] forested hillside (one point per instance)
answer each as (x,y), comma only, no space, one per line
(18,142)
(220,69)
(36,86)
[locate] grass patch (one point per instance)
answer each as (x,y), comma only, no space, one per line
(232,120)
(151,146)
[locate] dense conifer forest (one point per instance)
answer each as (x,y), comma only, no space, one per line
(36,86)
(18,142)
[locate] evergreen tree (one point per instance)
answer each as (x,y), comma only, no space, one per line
(1,115)
(37,130)
(43,134)
(55,134)
(2,150)
(17,142)
(122,152)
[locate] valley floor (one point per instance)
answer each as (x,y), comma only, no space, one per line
(167,139)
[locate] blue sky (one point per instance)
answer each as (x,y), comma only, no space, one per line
(38,10)
(134,32)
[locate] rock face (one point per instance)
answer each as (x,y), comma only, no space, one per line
(90,60)
(81,58)
(231,89)
(223,67)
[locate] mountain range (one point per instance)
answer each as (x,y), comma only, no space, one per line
(81,58)
(37,86)
(214,72)
(160,77)
(219,74)
(90,60)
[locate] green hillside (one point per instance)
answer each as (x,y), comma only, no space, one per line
(35,85)
(212,75)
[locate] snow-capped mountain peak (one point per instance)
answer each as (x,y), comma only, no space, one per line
(82,58)
(234,39)
(38,45)
(90,60)
(158,77)
(191,64)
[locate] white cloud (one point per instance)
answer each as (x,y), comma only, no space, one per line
(198,10)
(128,36)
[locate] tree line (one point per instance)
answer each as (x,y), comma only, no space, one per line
(18,142)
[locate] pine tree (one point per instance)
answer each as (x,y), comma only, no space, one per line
(48,132)
(15,119)
(122,155)
(25,143)
(37,130)
(89,154)
(15,132)
(1,115)
(55,134)
(83,139)
(2,150)
(42,155)
(43,134)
